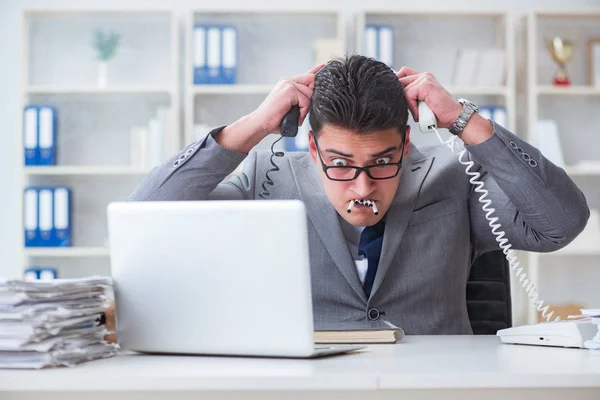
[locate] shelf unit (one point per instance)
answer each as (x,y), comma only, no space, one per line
(429,52)
(574,108)
(68,170)
(271,44)
(67,252)
(93,137)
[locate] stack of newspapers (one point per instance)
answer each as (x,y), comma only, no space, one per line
(54,323)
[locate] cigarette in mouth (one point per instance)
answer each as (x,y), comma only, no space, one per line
(375,210)
(350,205)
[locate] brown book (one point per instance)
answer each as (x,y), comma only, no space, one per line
(357,332)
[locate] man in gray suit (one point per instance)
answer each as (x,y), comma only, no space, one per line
(429,226)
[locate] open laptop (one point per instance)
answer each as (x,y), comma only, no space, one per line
(213,277)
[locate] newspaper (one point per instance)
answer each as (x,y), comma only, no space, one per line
(54,323)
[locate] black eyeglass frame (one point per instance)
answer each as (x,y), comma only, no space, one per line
(366,169)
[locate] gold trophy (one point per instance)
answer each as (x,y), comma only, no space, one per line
(561,51)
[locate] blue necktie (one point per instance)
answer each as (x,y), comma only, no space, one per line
(369,246)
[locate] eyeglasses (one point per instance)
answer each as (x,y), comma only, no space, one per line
(349,173)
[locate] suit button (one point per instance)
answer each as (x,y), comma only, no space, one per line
(373,314)
(513,145)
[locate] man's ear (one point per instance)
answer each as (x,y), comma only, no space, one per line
(312,147)
(407,141)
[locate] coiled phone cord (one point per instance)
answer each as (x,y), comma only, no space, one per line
(288,128)
(268,180)
(530,289)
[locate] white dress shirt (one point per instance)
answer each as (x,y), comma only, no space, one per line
(352,234)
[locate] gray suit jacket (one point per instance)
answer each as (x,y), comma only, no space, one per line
(434,229)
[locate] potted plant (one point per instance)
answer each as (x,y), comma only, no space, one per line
(106,46)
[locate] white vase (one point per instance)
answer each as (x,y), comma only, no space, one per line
(102,73)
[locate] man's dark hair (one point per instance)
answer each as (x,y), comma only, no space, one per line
(359,94)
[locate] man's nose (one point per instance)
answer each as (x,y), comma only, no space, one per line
(363,185)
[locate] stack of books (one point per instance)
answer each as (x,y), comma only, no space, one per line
(357,332)
(55,322)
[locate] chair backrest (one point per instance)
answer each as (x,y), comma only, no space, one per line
(488,294)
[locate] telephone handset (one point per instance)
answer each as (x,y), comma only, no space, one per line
(289,123)
(288,128)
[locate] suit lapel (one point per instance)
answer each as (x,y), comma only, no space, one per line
(325,220)
(398,215)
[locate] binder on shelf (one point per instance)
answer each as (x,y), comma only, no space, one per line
(47,135)
(62,217)
(386,45)
(200,65)
(213,59)
(215,54)
(30,216)
(45,222)
(494,113)
(380,43)
(229,58)
(371,41)
(30,135)
(164,114)
(47,216)
(466,66)
(155,143)
(40,273)
(31,274)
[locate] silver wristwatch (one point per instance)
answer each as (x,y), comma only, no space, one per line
(467,110)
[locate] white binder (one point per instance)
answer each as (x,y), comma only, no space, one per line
(199,64)
(229,65)
(62,217)
(214,54)
(386,45)
(371,41)
(47,135)
(30,216)
(30,135)
(45,217)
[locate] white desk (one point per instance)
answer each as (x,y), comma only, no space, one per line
(421,367)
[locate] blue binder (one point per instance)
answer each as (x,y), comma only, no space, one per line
(31,216)
(62,217)
(379,41)
(200,54)
(47,135)
(45,216)
(30,135)
(47,273)
(40,273)
(213,54)
(495,113)
(229,40)
(31,274)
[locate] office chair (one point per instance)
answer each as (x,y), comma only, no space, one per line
(488,294)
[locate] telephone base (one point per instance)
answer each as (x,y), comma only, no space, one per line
(557,334)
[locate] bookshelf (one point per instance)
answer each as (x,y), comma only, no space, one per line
(428,51)
(272,44)
(561,275)
(93,136)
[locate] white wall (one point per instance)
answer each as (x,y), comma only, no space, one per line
(10,74)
